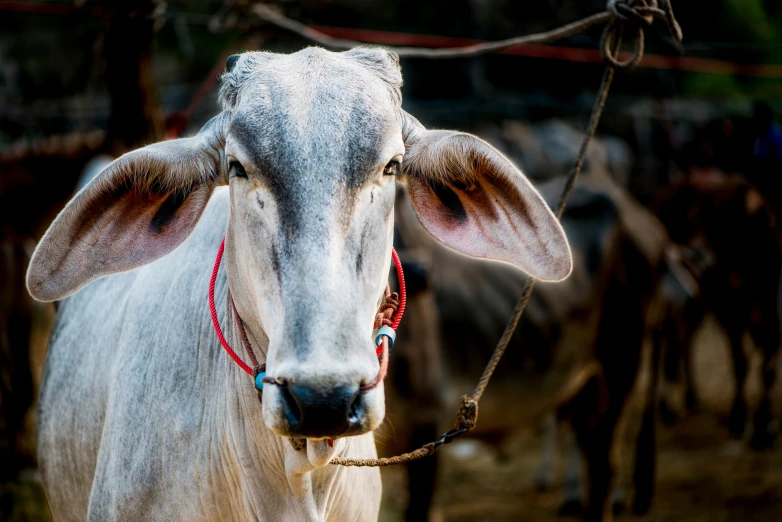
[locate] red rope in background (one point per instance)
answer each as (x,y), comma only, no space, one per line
(572,54)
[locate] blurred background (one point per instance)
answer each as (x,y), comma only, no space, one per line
(659,354)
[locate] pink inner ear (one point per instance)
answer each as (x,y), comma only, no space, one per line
(135,228)
(496,218)
(110,233)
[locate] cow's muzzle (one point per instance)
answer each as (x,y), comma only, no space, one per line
(316,413)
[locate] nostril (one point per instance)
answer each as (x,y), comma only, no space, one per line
(292,410)
(356,410)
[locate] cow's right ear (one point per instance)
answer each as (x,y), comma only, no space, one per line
(473,200)
(140,208)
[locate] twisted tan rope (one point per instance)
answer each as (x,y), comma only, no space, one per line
(621,11)
(269,15)
(636,13)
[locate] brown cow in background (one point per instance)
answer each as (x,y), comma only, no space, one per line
(729,255)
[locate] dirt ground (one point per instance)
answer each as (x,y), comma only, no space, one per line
(702,475)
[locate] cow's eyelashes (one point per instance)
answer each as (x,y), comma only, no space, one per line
(392,168)
(235,169)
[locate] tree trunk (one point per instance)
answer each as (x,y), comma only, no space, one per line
(136,117)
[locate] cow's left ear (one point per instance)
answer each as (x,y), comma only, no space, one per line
(472,199)
(140,208)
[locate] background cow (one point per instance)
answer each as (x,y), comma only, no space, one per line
(728,245)
(577,350)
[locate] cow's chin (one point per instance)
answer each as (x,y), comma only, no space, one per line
(277,417)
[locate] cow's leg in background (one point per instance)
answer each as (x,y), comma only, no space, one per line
(558,438)
(421,475)
(549,453)
(738,412)
(765,332)
(669,343)
(694,314)
(572,502)
(645,467)
(597,410)
(16,385)
(679,325)
(594,432)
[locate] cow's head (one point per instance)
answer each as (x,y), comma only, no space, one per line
(310,145)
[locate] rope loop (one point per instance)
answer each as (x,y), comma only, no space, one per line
(673,25)
(612,40)
(635,14)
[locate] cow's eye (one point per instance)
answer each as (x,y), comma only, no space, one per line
(393,166)
(235,169)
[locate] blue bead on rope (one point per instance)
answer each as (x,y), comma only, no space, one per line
(385,331)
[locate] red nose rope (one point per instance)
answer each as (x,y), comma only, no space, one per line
(383,316)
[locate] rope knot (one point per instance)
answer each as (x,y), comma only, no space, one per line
(387,310)
(468,413)
(637,14)
(629,10)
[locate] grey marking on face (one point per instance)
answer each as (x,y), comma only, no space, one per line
(359,261)
(275,256)
(360,253)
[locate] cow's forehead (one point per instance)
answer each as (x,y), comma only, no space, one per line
(335,110)
(314,76)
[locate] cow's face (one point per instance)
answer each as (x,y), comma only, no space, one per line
(310,145)
(313,149)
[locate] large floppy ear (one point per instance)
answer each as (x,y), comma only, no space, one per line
(471,198)
(141,207)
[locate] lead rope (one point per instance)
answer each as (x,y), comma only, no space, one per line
(637,13)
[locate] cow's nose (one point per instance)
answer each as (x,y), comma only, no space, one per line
(313,412)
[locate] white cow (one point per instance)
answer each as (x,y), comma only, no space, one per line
(142,415)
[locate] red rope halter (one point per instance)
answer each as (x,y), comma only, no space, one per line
(213,310)
(381,350)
